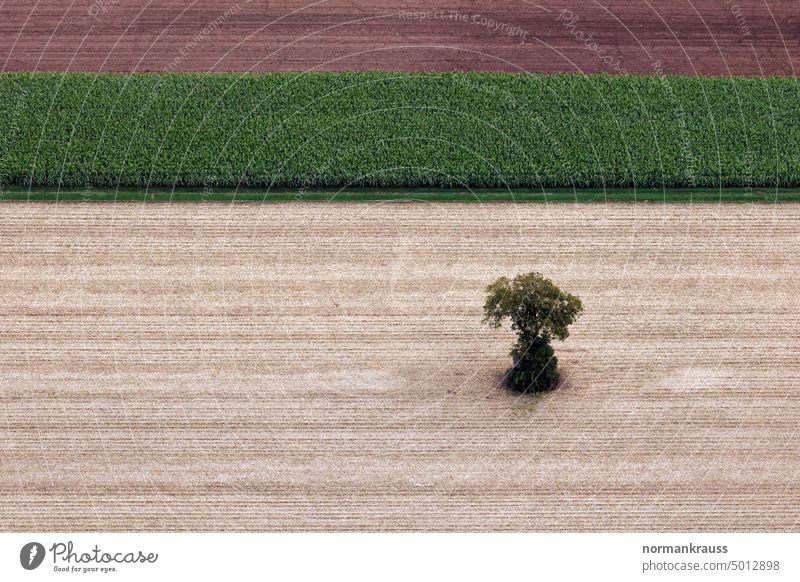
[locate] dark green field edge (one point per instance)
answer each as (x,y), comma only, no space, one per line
(397,130)
(248,195)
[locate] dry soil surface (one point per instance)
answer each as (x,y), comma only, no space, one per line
(323,367)
(706,37)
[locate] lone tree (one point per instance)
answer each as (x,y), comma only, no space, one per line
(539,311)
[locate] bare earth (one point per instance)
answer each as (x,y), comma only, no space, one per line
(323,367)
(695,37)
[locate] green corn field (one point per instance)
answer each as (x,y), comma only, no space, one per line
(397,130)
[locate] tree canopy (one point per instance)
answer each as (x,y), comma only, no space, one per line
(539,311)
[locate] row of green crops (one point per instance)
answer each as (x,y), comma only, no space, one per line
(402,130)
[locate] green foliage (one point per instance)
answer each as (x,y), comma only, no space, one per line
(535,370)
(537,308)
(397,129)
(539,311)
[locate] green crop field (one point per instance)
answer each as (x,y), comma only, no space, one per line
(391,130)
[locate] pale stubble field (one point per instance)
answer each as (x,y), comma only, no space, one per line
(323,367)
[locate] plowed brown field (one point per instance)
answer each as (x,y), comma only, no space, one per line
(707,37)
(323,367)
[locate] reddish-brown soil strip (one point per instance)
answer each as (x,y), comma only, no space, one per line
(707,37)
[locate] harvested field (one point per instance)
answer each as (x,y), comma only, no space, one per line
(322,367)
(701,37)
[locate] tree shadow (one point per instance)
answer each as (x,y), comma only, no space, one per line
(502,386)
